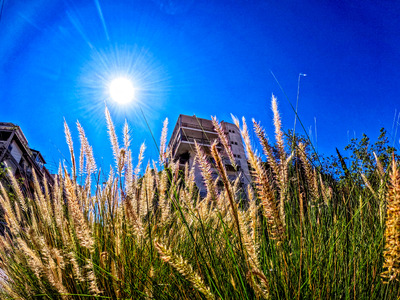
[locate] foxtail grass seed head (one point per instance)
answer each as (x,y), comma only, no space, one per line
(163,141)
(113,136)
(141,231)
(224,140)
(184,268)
(71,148)
(278,130)
(391,252)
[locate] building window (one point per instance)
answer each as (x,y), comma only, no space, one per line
(235,143)
(238,156)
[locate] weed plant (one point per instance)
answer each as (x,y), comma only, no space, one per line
(301,232)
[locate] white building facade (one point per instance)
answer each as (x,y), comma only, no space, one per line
(189,129)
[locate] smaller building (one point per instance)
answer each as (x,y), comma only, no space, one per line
(189,129)
(16,154)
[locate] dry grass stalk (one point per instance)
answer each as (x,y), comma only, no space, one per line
(391,252)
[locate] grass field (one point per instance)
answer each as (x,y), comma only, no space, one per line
(310,228)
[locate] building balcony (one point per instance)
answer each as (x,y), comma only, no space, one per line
(198,127)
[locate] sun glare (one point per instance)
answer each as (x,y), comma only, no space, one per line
(121,90)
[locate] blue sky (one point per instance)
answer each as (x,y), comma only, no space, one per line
(197,57)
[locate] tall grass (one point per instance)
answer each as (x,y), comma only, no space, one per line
(299,234)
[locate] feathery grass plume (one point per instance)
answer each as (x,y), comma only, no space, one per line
(368,185)
(81,160)
(205,168)
(278,130)
(163,141)
(121,161)
(391,252)
(253,213)
(132,217)
(20,197)
(235,121)
(128,172)
(87,151)
(261,289)
(76,268)
(91,278)
(58,208)
(227,185)
(184,268)
(51,270)
(71,148)
(9,215)
(267,148)
(275,218)
(81,228)
(113,136)
(140,159)
(248,242)
(127,137)
(379,166)
(224,140)
(279,169)
(164,205)
(324,191)
(308,170)
(149,188)
(43,206)
(282,153)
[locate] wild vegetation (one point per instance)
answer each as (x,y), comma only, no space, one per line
(308,228)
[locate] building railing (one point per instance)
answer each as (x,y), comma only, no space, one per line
(197,126)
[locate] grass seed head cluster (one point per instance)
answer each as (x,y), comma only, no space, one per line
(298,233)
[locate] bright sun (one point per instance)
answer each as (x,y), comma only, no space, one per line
(121,90)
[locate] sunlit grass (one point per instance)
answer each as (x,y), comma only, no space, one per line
(302,233)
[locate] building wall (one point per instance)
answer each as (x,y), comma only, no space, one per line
(15,151)
(191,128)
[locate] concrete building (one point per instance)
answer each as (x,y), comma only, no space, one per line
(189,129)
(16,154)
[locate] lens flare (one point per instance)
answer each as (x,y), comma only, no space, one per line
(121,90)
